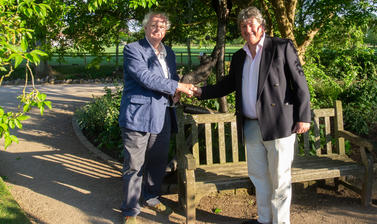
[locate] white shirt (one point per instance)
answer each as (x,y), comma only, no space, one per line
(250,77)
(161,56)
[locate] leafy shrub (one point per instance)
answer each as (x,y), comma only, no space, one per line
(360,106)
(99,122)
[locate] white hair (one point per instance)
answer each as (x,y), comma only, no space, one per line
(148,16)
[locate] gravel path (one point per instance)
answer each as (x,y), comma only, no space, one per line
(50,173)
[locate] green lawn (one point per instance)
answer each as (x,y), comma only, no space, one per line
(180,51)
(10,211)
(73,67)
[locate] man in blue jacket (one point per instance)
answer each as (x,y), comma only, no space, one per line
(147,116)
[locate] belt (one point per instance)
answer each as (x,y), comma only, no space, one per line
(251,119)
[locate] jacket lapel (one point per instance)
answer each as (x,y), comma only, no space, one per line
(265,63)
(151,56)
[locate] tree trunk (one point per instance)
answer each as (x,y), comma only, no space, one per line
(117,56)
(217,57)
(285,13)
(189,61)
(43,69)
(188,41)
(222,15)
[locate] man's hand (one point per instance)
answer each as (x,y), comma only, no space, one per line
(176,97)
(301,127)
(198,92)
(187,88)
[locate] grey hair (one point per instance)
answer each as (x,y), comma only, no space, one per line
(248,13)
(149,15)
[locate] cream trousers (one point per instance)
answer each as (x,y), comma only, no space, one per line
(269,168)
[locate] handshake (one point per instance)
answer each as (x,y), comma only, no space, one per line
(189,89)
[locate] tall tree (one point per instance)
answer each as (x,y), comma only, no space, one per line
(302,20)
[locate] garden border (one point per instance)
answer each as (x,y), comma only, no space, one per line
(90,147)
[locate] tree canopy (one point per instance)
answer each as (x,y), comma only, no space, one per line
(330,36)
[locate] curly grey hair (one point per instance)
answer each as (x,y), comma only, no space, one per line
(149,15)
(250,12)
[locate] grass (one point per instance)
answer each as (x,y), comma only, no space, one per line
(10,211)
(74,67)
(77,71)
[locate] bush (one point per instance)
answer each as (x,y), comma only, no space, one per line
(360,106)
(99,122)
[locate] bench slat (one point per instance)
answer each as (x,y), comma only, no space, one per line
(328,135)
(221,142)
(195,143)
(317,136)
(234,142)
(324,112)
(208,134)
(209,118)
(331,169)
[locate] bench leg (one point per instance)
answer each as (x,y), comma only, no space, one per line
(181,188)
(366,191)
(190,197)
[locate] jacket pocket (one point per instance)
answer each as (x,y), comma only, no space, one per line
(138,110)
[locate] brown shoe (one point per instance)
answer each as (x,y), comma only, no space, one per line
(162,209)
(253,221)
(130,220)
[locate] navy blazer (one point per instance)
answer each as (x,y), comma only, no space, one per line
(146,93)
(283,95)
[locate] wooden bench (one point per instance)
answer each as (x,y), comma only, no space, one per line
(210,158)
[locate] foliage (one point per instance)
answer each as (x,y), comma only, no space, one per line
(99,121)
(14,49)
(340,66)
(360,105)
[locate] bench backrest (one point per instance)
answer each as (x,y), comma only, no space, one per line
(322,138)
(212,138)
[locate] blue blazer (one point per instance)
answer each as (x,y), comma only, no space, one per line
(146,93)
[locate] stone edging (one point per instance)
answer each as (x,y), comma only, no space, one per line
(52,81)
(108,159)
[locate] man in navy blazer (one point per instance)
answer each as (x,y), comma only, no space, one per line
(147,116)
(272,105)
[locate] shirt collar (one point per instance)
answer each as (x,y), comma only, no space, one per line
(161,49)
(259,46)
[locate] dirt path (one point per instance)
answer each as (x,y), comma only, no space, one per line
(56,180)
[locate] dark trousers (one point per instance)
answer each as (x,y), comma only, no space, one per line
(145,161)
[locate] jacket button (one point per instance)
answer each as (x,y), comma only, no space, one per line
(272,104)
(276,84)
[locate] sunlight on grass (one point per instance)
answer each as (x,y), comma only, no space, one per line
(10,211)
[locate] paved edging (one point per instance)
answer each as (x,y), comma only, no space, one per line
(52,81)
(108,159)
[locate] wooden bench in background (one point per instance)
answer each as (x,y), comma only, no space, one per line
(210,159)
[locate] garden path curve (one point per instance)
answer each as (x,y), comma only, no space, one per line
(52,175)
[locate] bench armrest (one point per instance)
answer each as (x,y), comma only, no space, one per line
(355,139)
(366,155)
(189,161)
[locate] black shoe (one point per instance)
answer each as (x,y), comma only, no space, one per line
(252,221)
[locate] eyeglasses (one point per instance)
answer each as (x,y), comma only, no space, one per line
(155,26)
(252,25)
